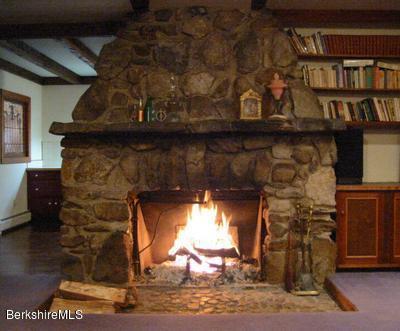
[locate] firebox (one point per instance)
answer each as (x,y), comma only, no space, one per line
(179,235)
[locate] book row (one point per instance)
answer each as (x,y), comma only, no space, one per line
(336,44)
(353,74)
(369,109)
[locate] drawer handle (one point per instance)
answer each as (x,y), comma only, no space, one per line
(36,175)
(36,189)
(56,203)
(49,203)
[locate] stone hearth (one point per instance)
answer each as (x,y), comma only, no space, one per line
(214,57)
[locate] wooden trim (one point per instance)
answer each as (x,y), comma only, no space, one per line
(337,295)
(379,125)
(395,221)
(305,18)
(21,72)
(370,187)
(358,91)
(80,50)
(372,266)
(83,80)
(59,30)
(30,54)
(330,57)
(26,102)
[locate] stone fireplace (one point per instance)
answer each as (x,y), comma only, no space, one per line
(214,56)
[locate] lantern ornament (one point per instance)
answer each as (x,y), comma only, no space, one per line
(277,87)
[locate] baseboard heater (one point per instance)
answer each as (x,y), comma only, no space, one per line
(15,220)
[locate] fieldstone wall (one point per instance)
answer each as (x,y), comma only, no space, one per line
(98,172)
(214,58)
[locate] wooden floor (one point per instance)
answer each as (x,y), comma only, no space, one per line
(23,251)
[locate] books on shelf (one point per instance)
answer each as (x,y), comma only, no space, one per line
(369,109)
(354,74)
(336,44)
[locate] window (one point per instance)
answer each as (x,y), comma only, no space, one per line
(14,127)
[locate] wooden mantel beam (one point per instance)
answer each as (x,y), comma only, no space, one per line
(32,55)
(59,30)
(83,52)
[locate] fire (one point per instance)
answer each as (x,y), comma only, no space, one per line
(203,231)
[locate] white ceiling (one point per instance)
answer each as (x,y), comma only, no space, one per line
(61,11)
(74,11)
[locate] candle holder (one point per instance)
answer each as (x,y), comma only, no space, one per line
(277,87)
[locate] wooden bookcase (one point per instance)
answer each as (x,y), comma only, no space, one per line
(345,92)
(368,216)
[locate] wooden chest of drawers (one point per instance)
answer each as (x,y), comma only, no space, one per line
(44,198)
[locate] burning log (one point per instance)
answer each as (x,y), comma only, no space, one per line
(223,252)
(185,252)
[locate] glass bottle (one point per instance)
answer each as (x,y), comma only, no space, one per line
(149,110)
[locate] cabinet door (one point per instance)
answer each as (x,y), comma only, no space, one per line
(359,228)
(396,228)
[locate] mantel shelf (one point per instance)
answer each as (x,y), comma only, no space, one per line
(215,127)
(333,57)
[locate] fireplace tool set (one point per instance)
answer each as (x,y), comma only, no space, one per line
(303,284)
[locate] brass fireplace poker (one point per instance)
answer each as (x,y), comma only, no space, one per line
(305,285)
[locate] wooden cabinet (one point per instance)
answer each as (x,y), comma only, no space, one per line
(368,220)
(44,198)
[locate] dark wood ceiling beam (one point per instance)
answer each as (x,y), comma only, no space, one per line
(80,50)
(258,4)
(30,54)
(59,30)
(338,18)
(21,72)
(85,80)
(140,6)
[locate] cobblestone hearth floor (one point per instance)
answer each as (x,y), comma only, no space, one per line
(227,299)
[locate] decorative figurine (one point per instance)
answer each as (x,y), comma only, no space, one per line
(277,87)
(250,105)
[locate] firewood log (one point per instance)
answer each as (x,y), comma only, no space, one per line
(87,307)
(82,291)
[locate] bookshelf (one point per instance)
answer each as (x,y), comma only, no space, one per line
(336,57)
(384,125)
(356,76)
(357,91)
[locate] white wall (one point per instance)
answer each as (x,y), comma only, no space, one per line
(58,104)
(13,193)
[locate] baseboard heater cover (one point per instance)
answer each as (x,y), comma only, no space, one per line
(15,220)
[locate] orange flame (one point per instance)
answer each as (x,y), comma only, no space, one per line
(203,231)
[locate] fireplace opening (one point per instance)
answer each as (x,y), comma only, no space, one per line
(199,237)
